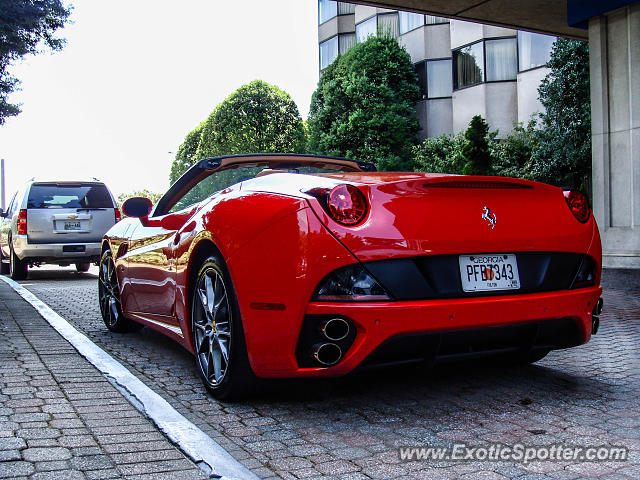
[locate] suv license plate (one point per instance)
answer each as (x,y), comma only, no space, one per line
(72,225)
(487,272)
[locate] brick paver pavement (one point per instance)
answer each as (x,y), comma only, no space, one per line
(351,428)
(61,419)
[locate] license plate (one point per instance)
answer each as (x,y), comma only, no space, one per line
(71,225)
(487,272)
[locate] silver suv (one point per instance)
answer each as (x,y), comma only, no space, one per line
(55,222)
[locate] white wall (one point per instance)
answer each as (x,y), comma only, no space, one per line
(614,44)
(528,101)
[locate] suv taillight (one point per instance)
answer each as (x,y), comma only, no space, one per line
(22,222)
(118,215)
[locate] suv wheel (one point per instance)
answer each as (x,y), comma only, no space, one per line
(4,264)
(83,266)
(17,267)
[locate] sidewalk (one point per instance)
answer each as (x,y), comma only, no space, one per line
(61,419)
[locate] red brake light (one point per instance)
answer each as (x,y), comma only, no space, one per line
(118,215)
(22,222)
(346,205)
(578,205)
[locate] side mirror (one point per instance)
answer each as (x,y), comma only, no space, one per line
(138,207)
(2,213)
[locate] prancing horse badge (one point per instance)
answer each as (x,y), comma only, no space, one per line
(489,216)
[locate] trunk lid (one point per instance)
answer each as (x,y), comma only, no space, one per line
(426,214)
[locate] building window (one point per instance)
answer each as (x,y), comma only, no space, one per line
(345,42)
(434,78)
(534,50)
(346,8)
(439,81)
(388,24)
(366,29)
(469,65)
(327,9)
(340,44)
(431,20)
(421,73)
(410,21)
(328,52)
(502,59)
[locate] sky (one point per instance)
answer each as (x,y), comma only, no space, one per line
(136,76)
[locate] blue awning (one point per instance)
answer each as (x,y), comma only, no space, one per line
(580,11)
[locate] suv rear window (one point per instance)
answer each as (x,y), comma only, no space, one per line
(77,195)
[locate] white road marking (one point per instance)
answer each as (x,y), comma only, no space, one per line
(188,437)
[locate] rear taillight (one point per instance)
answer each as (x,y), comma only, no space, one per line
(22,222)
(578,205)
(118,215)
(345,204)
(350,284)
(586,276)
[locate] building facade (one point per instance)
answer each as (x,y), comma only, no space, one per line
(464,69)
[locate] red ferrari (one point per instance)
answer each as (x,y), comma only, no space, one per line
(280,265)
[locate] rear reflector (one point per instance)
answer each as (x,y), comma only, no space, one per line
(22,222)
(267,306)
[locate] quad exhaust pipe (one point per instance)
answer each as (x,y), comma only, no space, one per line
(335,329)
(595,316)
(326,353)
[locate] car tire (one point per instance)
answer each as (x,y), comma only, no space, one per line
(4,265)
(534,356)
(109,297)
(82,266)
(17,268)
(217,333)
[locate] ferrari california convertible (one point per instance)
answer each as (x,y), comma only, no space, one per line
(277,265)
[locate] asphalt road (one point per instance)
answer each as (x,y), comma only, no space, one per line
(353,427)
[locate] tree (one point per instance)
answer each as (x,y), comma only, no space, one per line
(363,107)
(563,156)
(256,118)
(186,154)
(442,154)
(154,197)
(476,148)
(512,154)
(24,25)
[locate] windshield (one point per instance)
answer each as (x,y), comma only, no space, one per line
(225,178)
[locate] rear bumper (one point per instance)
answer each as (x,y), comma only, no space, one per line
(381,323)
(55,252)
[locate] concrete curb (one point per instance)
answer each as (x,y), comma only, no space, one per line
(198,446)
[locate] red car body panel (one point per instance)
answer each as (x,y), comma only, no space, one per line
(279,243)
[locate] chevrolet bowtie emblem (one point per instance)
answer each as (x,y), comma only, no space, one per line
(72,217)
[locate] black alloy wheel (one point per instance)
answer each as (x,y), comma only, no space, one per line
(109,297)
(218,336)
